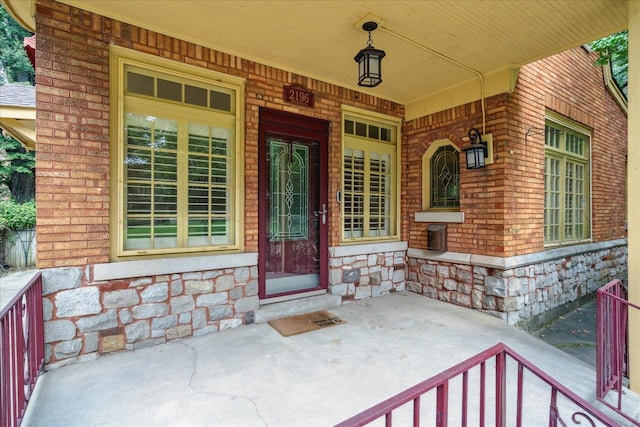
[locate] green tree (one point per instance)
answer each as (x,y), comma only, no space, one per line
(12,53)
(16,164)
(16,168)
(614,49)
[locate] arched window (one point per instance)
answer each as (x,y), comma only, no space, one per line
(441,176)
(445,178)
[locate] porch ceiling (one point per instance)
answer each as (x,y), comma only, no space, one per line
(319,38)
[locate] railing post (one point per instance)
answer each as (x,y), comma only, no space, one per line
(442,405)
(600,339)
(520,396)
(553,408)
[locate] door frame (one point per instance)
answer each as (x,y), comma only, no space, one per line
(282,123)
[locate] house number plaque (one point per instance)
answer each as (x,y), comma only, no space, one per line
(297,94)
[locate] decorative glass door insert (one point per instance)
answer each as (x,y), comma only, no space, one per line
(294,215)
(289,187)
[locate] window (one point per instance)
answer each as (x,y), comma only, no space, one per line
(177,162)
(441,177)
(370,183)
(566,182)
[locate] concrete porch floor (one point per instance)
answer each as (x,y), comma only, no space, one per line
(253,376)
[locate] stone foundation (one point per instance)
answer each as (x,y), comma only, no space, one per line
(363,271)
(518,292)
(84,319)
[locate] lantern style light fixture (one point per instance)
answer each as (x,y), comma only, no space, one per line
(476,153)
(369,61)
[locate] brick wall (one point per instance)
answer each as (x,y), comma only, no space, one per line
(503,202)
(73,126)
(569,84)
(85,317)
(483,192)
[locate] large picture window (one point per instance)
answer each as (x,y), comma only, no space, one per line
(566,183)
(369,202)
(176,163)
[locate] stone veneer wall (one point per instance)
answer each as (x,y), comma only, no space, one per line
(521,291)
(363,271)
(85,319)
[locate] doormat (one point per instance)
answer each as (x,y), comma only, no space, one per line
(302,323)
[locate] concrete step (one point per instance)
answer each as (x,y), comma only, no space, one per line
(294,307)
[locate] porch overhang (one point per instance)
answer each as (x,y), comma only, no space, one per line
(439,53)
(18,113)
(20,123)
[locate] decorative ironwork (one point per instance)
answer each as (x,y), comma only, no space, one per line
(21,351)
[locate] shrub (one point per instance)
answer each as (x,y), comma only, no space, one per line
(16,216)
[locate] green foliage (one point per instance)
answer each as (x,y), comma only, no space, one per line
(16,216)
(14,159)
(614,49)
(12,53)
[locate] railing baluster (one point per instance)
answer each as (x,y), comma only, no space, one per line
(482,392)
(620,344)
(442,405)
(520,395)
(501,385)
(21,351)
(465,397)
(388,422)
(441,382)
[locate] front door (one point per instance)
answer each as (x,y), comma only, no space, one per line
(293,204)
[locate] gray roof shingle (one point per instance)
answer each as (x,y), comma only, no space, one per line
(18,95)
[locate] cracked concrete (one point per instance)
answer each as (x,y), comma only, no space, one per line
(252,376)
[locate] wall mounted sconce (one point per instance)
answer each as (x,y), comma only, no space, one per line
(477,152)
(369,61)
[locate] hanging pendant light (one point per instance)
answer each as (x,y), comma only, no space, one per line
(369,61)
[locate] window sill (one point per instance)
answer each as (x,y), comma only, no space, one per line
(450,217)
(367,248)
(162,266)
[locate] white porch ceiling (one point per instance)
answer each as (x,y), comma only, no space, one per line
(319,38)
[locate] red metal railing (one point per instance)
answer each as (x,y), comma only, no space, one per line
(612,344)
(21,351)
(500,400)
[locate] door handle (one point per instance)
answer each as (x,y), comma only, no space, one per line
(323,212)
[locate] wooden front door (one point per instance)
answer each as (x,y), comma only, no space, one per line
(293,204)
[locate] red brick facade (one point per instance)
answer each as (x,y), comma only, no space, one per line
(504,202)
(73,126)
(89,314)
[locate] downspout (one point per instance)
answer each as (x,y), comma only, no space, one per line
(446,58)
